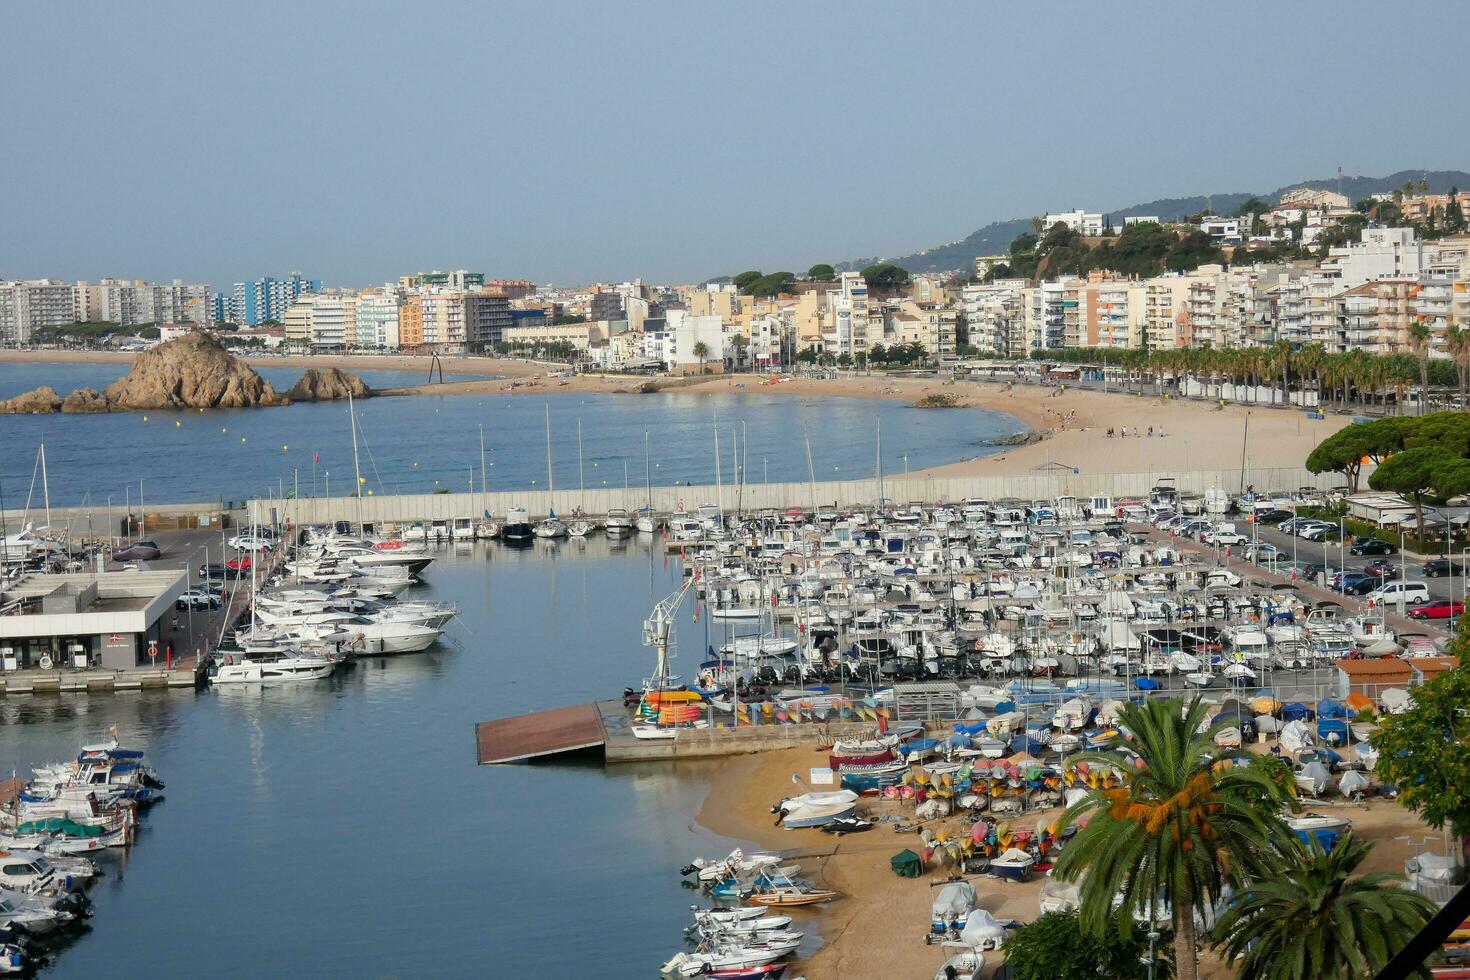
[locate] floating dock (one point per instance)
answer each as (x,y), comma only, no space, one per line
(607,725)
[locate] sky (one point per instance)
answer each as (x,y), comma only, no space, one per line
(672,140)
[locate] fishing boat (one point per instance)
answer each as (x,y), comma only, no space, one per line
(786,892)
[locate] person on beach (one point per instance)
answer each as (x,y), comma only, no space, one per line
(1150,432)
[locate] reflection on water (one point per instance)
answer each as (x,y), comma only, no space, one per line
(342,828)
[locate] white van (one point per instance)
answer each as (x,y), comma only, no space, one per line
(1398,593)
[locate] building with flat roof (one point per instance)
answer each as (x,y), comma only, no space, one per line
(92,619)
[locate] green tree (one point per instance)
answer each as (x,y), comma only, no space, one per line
(1178,828)
(1310,914)
(743,281)
(701,351)
(1055,947)
(878,354)
(1343,451)
(1423,473)
(885,277)
(771,284)
(821,271)
(1425,751)
(1251,207)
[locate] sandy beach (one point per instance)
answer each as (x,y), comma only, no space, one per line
(1072,424)
(877,927)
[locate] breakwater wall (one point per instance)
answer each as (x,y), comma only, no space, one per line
(1040,484)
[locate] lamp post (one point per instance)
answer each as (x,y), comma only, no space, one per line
(1403,571)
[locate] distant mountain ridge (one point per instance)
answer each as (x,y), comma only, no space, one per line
(997,236)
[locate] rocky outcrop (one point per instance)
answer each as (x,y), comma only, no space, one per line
(39,401)
(85,400)
(194,371)
(328,385)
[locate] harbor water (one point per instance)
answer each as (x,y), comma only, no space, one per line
(343,829)
(428,443)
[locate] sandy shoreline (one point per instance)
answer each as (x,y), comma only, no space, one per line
(876,928)
(1073,424)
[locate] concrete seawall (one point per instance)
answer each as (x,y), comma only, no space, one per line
(1046,483)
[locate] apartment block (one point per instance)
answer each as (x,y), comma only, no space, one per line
(487,317)
(377,318)
(30,305)
(995,317)
(1083,222)
(128,303)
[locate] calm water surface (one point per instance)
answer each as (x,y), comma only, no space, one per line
(343,829)
(425,443)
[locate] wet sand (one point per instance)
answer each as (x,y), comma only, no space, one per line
(877,927)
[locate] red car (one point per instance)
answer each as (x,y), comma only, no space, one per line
(1438,609)
(241,564)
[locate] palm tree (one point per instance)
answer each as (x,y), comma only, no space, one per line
(1184,821)
(1279,357)
(701,351)
(1418,344)
(1457,343)
(1307,916)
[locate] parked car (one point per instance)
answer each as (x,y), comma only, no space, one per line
(1361,585)
(1439,609)
(240,566)
(1372,546)
(1400,593)
(197,599)
(1316,531)
(1383,568)
(249,542)
(139,551)
(1273,517)
(1437,567)
(1223,537)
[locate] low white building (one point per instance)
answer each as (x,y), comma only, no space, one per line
(1087,223)
(106,619)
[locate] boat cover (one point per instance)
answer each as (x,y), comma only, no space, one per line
(954,901)
(982,930)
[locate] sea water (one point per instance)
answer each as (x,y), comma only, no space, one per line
(342,828)
(429,443)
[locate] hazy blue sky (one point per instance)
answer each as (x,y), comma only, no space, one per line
(672,140)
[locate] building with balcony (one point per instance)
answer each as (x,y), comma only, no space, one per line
(34,304)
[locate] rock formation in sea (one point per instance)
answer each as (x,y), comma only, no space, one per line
(39,401)
(194,371)
(328,385)
(85,400)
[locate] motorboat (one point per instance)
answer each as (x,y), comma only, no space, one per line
(952,906)
(269,668)
(617,523)
(517,525)
(743,956)
(737,863)
(1013,865)
(966,965)
(36,916)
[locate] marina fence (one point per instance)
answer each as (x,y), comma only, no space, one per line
(1044,484)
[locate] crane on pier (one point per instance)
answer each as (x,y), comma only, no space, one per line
(657,630)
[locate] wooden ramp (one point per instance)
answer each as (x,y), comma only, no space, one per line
(540,733)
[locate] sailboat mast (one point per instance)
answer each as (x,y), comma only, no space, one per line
(356,466)
(550,479)
(46,487)
(811,471)
(581,474)
(880,463)
(719,487)
(647,474)
(484,486)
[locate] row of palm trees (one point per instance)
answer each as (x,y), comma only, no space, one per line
(1338,378)
(1189,821)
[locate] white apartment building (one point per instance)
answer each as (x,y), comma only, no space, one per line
(377,318)
(1046,326)
(995,317)
(1383,253)
(1083,222)
(1116,312)
(684,333)
(1165,312)
(846,331)
(34,304)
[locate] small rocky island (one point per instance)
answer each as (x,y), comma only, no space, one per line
(194,371)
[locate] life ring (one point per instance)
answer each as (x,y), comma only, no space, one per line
(45,662)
